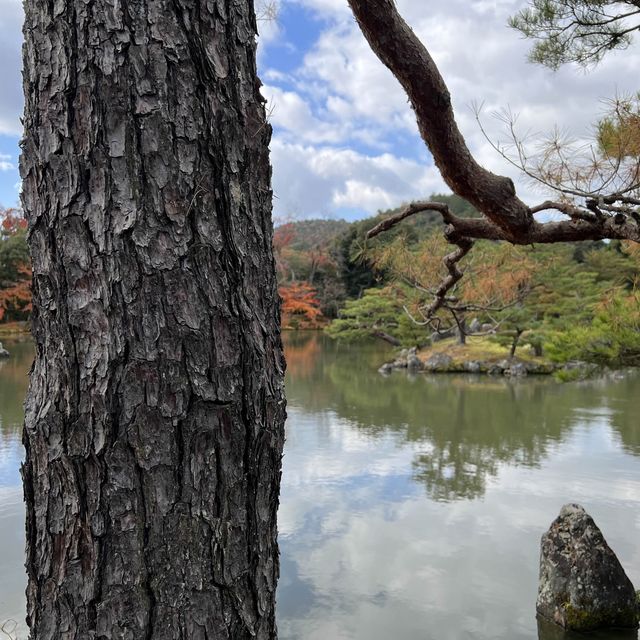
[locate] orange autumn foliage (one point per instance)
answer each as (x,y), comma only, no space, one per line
(15,272)
(301,356)
(12,222)
(16,296)
(300,306)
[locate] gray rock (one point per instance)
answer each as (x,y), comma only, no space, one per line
(3,352)
(540,367)
(438,362)
(475,325)
(582,584)
(386,368)
(516,370)
(414,363)
(472,366)
(487,328)
(579,370)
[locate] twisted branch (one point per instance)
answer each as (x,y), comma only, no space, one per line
(505,216)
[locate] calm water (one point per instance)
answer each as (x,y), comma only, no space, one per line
(412,507)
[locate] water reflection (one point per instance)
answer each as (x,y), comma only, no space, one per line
(413,507)
(467,425)
(13,387)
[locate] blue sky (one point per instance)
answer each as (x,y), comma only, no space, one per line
(345,141)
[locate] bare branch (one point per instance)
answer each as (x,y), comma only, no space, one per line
(451,262)
(409,210)
(506,217)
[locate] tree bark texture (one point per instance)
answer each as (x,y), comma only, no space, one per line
(154,420)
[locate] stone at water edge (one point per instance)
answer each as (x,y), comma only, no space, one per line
(550,631)
(582,584)
(3,352)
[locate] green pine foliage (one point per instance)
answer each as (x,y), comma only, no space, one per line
(612,337)
(580,31)
(378,313)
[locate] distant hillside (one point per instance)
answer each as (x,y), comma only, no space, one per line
(421,224)
(311,234)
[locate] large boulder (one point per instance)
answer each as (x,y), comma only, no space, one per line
(3,352)
(438,362)
(471,366)
(414,363)
(582,584)
(516,370)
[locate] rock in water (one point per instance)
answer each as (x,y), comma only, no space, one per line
(3,352)
(582,584)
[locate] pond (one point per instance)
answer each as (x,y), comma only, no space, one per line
(412,506)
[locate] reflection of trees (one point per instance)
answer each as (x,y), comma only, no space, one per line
(464,427)
(13,385)
(621,398)
(302,352)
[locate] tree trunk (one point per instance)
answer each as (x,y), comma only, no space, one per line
(515,342)
(154,420)
(383,335)
(462,329)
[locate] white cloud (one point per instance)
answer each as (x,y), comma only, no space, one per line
(344,65)
(311,181)
(293,114)
(360,194)
(5,162)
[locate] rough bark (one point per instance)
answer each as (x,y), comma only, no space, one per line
(154,420)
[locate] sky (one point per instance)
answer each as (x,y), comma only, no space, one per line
(345,141)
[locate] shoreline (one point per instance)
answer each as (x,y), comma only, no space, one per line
(13,330)
(453,358)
